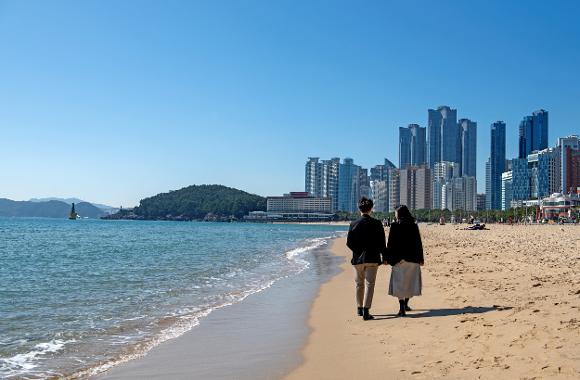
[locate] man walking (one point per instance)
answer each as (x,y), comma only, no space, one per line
(366,239)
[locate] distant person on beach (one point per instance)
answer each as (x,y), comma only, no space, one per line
(366,239)
(405,254)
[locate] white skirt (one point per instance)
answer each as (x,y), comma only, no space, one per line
(405,280)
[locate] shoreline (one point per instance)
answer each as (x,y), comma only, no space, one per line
(485,313)
(245,337)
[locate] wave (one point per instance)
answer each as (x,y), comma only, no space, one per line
(25,363)
(180,324)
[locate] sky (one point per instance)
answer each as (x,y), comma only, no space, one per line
(115,101)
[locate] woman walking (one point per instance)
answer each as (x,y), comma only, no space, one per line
(405,254)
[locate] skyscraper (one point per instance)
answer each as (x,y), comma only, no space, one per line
(495,167)
(348,186)
(312,176)
(321,179)
(569,150)
(329,181)
(443,137)
(468,147)
(394,189)
(533,133)
(415,187)
(412,146)
(442,173)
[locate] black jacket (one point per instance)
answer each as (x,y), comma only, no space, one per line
(366,239)
(404,243)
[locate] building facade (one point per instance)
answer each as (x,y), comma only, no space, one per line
(468,147)
(443,136)
(298,202)
(495,166)
(394,189)
(533,133)
(442,173)
(569,151)
(506,190)
(412,146)
(348,186)
(380,195)
(480,202)
(415,187)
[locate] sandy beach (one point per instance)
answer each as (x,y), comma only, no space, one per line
(497,304)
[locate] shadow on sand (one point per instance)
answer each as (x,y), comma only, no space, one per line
(421,313)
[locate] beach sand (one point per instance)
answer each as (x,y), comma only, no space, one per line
(497,304)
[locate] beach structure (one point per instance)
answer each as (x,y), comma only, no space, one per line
(558,206)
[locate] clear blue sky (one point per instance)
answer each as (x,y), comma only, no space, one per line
(114,101)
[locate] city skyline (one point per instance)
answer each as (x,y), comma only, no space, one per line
(115,102)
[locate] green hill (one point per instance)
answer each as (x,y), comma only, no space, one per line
(199,201)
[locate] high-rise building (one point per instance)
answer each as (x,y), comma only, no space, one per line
(569,151)
(572,170)
(380,195)
(459,193)
(348,186)
(443,136)
(544,172)
(364,183)
(442,173)
(312,177)
(394,189)
(468,147)
(381,172)
(415,187)
(329,181)
(533,133)
(507,194)
(480,202)
(321,179)
(537,176)
(495,167)
(412,146)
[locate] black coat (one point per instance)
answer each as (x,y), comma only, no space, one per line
(404,244)
(366,239)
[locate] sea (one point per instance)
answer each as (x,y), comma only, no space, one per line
(78,297)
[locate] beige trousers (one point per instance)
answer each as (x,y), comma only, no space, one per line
(364,278)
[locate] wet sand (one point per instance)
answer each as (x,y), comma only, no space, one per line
(497,304)
(258,338)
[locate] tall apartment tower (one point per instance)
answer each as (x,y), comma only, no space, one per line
(468,147)
(533,133)
(394,189)
(348,186)
(569,150)
(443,136)
(495,167)
(415,187)
(329,181)
(321,179)
(412,146)
(312,176)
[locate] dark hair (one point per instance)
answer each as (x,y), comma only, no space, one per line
(365,204)
(404,215)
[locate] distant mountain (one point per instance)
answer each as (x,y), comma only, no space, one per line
(210,202)
(107,209)
(48,209)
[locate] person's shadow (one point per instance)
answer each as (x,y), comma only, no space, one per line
(422,313)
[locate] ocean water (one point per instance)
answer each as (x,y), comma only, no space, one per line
(77,297)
